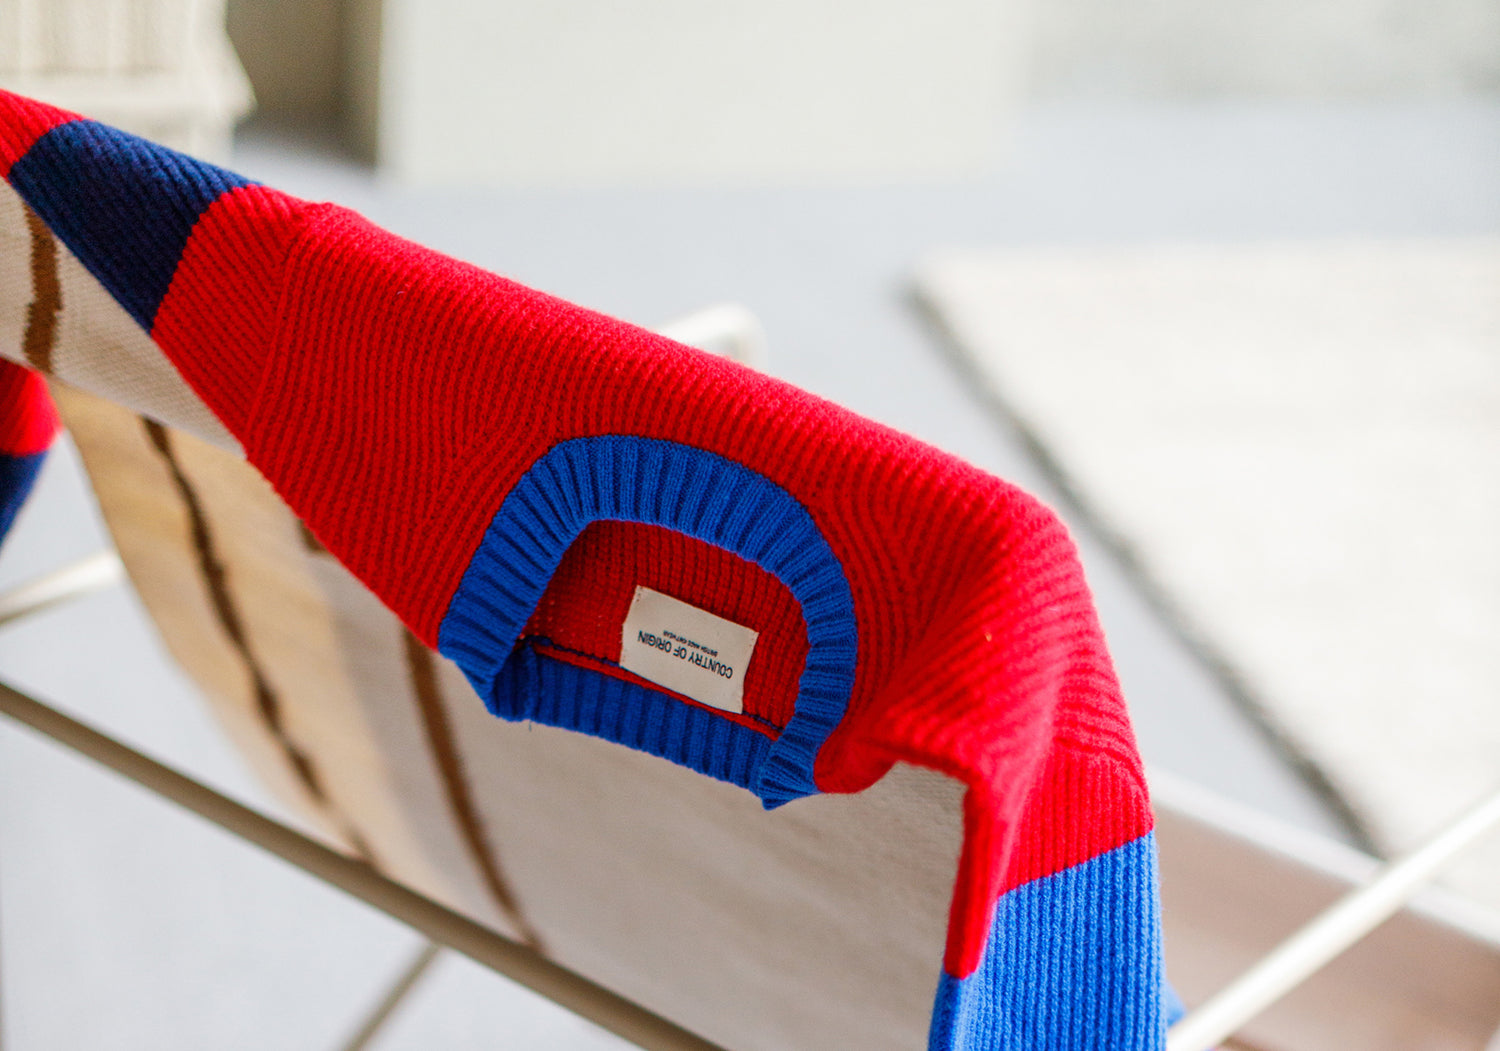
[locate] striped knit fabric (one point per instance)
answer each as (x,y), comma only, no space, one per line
(28,420)
(28,423)
(505,471)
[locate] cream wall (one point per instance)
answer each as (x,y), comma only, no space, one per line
(674,91)
(590,91)
(1327,49)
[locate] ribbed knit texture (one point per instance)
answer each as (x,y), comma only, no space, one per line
(25,122)
(699,494)
(243,237)
(1092,927)
(28,426)
(449,435)
(28,419)
(17,475)
(125,204)
(547,687)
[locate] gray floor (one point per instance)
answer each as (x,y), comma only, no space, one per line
(128,925)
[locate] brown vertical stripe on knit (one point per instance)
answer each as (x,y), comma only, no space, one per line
(211,567)
(424,681)
(46,296)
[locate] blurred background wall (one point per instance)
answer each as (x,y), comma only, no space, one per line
(162,68)
(453,90)
(292,51)
(1332,49)
(467,91)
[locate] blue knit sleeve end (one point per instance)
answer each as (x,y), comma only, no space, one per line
(1073,963)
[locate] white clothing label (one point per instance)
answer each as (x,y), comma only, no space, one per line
(687,650)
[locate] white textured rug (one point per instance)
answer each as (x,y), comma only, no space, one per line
(1299,445)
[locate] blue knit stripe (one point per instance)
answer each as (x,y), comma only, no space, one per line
(1073,963)
(125,206)
(701,494)
(558,693)
(17,475)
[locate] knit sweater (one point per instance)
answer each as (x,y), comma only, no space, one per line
(511,474)
(28,424)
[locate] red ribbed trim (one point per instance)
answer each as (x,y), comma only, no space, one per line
(22,122)
(28,419)
(218,317)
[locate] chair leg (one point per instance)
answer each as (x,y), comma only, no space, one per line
(1332,932)
(609,1010)
(97,572)
(394,997)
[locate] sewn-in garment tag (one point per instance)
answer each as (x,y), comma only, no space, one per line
(687,650)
